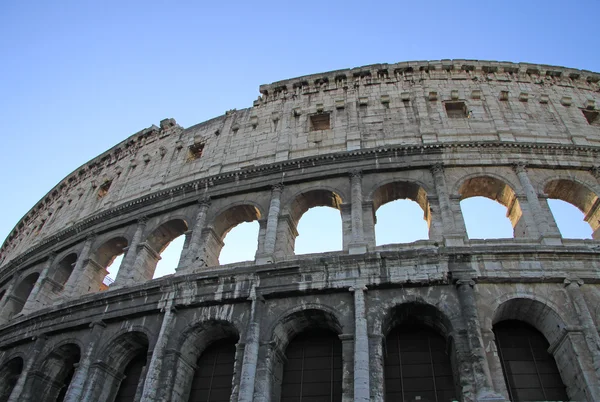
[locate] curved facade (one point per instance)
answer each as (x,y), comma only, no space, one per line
(446,318)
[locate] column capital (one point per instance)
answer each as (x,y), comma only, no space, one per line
(437,168)
(355,173)
(595,171)
(91,237)
(277,188)
(52,256)
(519,167)
(142,220)
(352,289)
(573,281)
(462,282)
(204,201)
(98,323)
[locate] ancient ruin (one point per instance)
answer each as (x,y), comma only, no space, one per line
(443,319)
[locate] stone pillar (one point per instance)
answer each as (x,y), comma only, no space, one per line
(377,362)
(453,234)
(249,365)
(7,296)
(271,230)
(19,392)
(286,237)
(144,265)
(267,356)
(585,319)
(494,363)
(151,385)
(481,374)
(347,367)
(124,276)
(184,251)
(369,224)
(76,388)
(33,300)
(194,252)
(77,274)
(541,219)
(361,347)
(357,244)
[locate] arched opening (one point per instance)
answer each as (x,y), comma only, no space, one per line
(316,230)
(17,300)
(306,342)
(64,268)
(55,373)
(529,369)
(158,242)
(313,367)
(205,363)
(418,362)
(120,374)
(109,257)
(402,213)
(579,196)
(215,235)
(484,219)
(238,244)
(9,375)
(213,376)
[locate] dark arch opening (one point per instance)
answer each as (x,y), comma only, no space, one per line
(9,375)
(130,386)
(313,367)
(418,361)
(57,370)
(21,294)
(529,369)
(578,195)
(213,377)
(394,207)
(319,228)
(495,190)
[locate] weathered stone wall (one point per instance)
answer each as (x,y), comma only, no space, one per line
(435,133)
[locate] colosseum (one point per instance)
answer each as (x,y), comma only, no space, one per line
(446,318)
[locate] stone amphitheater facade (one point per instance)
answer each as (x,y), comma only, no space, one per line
(439,319)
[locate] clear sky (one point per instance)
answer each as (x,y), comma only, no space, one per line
(80,76)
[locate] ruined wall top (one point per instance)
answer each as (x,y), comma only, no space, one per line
(416,104)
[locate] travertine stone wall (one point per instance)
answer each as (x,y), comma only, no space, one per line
(432,132)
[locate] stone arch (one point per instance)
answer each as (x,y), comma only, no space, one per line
(295,323)
(157,241)
(52,378)
(296,206)
(189,348)
(16,301)
(579,194)
(9,375)
(63,269)
(102,257)
(400,190)
(497,189)
(426,313)
(225,220)
(544,316)
(110,371)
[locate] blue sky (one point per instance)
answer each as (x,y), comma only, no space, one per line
(80,76)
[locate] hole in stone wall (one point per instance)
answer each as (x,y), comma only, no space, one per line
(319,122)
(103,189)
(195,151)
(169,258)
(485,219)
(592,117)
(319,230)
(240,243)
(570,220)
(400,221)
(456,110)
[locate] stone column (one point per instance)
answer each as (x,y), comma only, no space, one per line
(194,252)
(357,244)
(361,346)
(151,385)
(268,355)
(347,367)
(32,301)
(7,296)
(76,388)
(377,362)
(272,221)
(19,392)
(585,319)
(453,234)
(124,276)
(541,219)
(249,365)
(76,276)
(494,363)
(481,374)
